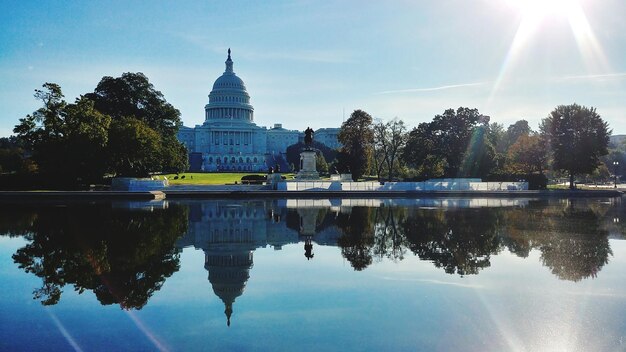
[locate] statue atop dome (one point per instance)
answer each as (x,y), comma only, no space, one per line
(229,63)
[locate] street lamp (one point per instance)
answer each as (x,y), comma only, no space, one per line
(615,165)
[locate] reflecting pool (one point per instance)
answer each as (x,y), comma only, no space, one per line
(311,275)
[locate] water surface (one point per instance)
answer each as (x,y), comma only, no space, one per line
(427,274)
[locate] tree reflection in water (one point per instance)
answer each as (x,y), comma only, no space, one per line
(570,236)
(460,241)
(122,256)
(358,236)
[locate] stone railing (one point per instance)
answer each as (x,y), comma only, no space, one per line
(400,186)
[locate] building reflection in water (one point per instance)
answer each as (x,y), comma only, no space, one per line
(228,231)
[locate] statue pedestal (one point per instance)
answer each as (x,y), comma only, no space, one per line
(308,170)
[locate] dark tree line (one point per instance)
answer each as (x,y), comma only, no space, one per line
(124,128)
(11,155)
(572,140)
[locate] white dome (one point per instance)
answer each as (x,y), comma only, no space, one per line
(228,98)
(229,80)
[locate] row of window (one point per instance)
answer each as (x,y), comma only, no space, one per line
(230,84)
(237,213)
(232,138)
(232,167)
(221,113)
(233,160)
(229,99)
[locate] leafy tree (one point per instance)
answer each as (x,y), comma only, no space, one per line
(357,138)
(513,132)
(479,156)
(578,138)
(602,173)
(389,141)
(454,131)
(379,153)
(320,163)
(456,142)
(527,155)
(85,140)
(174,156)
(617,153)
(11,155)
(497,135)
(421,154)
(134,148)
(125,128)
(133,96)
(43,131)
(67,140)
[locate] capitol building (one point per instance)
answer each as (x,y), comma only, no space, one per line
(229,140)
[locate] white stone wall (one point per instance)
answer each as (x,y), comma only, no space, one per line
(132,184)
(401,186)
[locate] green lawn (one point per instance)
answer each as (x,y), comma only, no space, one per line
(193,178)
(582,187)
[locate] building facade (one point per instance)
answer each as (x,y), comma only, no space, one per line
(229,140)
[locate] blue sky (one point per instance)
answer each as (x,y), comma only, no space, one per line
(306,62)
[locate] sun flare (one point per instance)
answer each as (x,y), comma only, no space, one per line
(538,9)
(534,15)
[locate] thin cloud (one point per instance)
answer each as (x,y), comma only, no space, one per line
(602,77)
(433,89)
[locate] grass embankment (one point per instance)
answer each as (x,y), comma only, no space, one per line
(193,178)
(584,187)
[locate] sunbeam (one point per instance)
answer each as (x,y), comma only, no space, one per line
(160,346)
(590,49)
(534,14)
(526,29)
(70,340)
